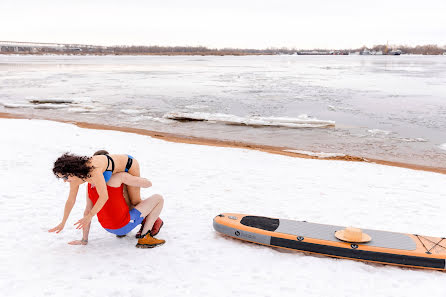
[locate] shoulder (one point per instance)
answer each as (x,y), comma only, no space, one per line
(98,163)
(97,159)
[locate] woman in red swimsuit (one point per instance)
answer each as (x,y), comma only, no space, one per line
(96,170)
(115,216)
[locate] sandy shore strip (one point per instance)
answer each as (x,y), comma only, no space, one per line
(221,143)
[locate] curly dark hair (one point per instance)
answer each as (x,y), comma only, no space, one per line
(72,165)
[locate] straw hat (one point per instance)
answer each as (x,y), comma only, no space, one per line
(351,234)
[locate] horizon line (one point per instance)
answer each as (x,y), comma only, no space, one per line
(212,48)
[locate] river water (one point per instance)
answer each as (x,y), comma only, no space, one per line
(385,107)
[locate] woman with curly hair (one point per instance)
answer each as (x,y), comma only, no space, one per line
(158,223)
(116,217)
(96,170)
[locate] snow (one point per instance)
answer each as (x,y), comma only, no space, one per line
(199,182)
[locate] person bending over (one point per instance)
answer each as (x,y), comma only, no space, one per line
(115,216)
(96,170)
(158,223)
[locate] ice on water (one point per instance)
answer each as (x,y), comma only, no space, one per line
(301,121)
(356,97)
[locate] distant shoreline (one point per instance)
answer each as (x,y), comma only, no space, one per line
(33,48)
(210,54)
(136,54)
(221,143)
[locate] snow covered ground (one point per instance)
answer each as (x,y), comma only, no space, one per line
(199,182)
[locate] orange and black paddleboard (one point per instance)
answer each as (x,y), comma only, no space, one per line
(409,250)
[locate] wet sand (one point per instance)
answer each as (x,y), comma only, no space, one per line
(220,143)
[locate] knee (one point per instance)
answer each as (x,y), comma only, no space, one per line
(159,198)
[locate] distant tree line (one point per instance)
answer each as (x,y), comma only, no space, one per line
(185,50)
(133,50)
(430,49)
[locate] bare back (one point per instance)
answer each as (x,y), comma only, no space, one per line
(101,162)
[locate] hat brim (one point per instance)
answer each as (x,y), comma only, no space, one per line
(341,236)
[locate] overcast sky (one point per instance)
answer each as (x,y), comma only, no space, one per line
(226,23)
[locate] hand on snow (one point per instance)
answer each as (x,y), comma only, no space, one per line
(58,228)
(84,222)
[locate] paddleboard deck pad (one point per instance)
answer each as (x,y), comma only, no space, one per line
(393,248)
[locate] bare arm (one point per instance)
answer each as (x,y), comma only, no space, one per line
(86,229)
(74,188)
(101,188)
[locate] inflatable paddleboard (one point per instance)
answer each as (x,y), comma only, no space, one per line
(384,247)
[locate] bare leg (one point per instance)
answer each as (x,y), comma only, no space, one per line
(134,192)
(150,208)
(126,197)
